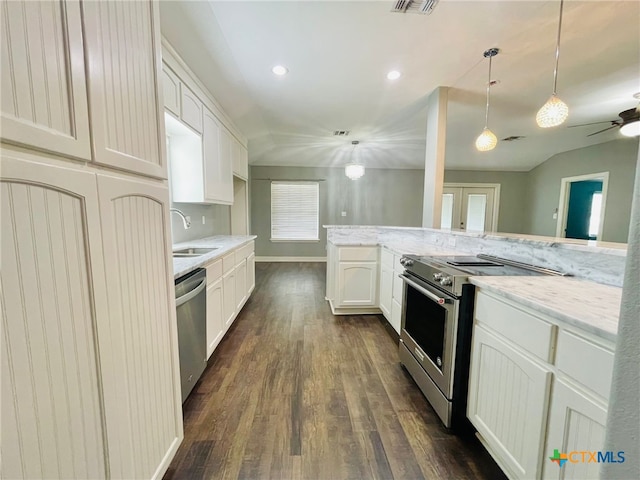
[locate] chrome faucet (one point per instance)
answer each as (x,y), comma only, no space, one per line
(185,220)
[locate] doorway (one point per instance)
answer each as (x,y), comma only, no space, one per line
(582,206)
(471,207)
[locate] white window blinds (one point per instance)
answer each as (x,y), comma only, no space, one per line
(295,210)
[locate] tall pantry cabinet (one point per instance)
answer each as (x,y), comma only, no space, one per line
(90,374)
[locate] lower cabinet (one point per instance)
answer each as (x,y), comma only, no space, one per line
(251,273)
(229,302)
(241,284)
(357,284)
(536,387)
(386,291)
(508,401)
(215,316)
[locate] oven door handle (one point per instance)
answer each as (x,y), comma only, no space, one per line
(427,293)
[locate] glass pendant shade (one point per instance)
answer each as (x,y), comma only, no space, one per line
(552,113)
(631,129)
(486,141)
(354,171)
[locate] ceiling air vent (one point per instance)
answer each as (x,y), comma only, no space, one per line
(410,6)
(341,133)
(512,138)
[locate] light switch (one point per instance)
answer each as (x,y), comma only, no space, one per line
(204,219)
(344,214)
(555,216)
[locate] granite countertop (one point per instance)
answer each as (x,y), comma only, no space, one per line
(222,243)
(590,306)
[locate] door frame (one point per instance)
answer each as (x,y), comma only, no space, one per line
(563,205)
(496,197)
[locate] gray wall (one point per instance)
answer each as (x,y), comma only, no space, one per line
(381,197)
(513,187)
(217,221)
(617,157)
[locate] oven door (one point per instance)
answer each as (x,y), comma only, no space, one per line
(429,329)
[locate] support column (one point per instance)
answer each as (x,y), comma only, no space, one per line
(623,422)
(434,157)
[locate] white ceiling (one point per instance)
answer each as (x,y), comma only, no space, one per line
(338,54)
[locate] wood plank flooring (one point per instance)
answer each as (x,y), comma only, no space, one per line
(293,392)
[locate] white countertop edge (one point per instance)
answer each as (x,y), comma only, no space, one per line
(223,244)
(560,316)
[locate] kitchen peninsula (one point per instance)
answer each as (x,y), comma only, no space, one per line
(542,347)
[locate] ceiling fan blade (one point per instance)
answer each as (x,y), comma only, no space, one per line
(600,131)
(593,123)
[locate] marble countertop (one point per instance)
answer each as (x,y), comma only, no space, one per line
(398,247)
(590,306)
(223,244)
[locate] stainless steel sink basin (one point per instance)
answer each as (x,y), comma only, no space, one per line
(192,252)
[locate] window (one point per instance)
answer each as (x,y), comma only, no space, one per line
(295,211)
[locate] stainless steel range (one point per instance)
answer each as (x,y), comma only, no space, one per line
(437,319)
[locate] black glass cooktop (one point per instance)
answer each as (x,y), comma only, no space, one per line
(461,261)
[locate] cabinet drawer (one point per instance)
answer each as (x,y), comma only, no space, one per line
(358,254)
(397,287)
(244,251)
(584,361)
(214,271)
(386,258)
(228,262)
(531,333)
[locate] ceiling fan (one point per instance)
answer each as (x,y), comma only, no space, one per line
(629,124)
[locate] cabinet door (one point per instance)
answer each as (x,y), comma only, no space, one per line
(124,68)
(190,108)
(53,288)
(332,268)
(215,316)
(171,91)
(576,423)
(240,160)
(141,384)
(226,167)
(396,315)
(229,285)
(215,178)
(44,94)
(508,403)
(357,284)
(251,273)
(241,284)
(386,291)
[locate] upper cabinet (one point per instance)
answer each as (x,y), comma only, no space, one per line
(203,154)
(123,65)
(44,94)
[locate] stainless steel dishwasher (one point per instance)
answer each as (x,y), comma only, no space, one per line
(191,307)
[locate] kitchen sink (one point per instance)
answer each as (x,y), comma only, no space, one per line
(192,252)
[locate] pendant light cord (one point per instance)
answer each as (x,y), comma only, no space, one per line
(555,70)
(486,113)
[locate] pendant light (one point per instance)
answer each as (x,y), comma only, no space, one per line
(487,140)
(354,170)
(555,111)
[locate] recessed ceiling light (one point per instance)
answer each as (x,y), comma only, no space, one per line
(393,75)
(280,70)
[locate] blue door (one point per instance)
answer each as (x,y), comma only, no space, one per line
(579,211)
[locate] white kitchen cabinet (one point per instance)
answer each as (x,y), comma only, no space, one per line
(53,291)
(124,67)
(396,315)
(42,75)
(191,108)
(357,284)
(171,91)
(215,315)
(508,403)
(229,302)
(241,284)
(240,160)
(251,273)
(576,424)
(142,402)
(218,173)
(386,291)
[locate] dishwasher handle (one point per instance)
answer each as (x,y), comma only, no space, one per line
(189,295)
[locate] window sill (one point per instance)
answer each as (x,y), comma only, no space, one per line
(293,240)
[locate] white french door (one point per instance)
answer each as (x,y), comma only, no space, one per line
(469,208)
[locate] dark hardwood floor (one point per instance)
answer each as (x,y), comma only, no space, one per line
(294,392)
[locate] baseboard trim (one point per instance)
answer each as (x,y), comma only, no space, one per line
(291,259)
